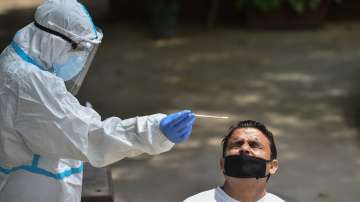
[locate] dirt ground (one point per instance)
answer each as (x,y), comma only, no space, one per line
(303,84)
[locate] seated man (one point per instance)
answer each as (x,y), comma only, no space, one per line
(249,158)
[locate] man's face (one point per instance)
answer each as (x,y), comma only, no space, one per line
(249,141)
(252,142)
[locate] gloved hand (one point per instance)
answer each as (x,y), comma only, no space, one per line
(177,127)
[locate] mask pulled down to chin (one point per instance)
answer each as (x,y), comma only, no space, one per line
(245,166)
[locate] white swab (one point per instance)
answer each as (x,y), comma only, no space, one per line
(210,116)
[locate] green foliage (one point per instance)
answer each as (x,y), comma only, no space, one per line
(298,6)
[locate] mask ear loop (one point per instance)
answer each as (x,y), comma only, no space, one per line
(268,175)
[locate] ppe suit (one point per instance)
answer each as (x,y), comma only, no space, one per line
(45,133)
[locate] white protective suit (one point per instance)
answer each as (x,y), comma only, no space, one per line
(45,133)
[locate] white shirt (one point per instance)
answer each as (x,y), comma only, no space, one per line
(218,195)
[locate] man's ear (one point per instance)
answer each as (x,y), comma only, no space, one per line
(274,165)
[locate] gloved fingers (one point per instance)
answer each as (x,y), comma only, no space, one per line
(169,120)
(187,125)
(177,127)
(186,134)
(183,122)
(179,117)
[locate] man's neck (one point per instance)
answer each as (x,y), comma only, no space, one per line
(245,190)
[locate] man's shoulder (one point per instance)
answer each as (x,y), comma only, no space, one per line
(202,196)
(269,197)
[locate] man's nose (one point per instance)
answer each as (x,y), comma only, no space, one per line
(245,149)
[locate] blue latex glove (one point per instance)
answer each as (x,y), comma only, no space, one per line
(177,127)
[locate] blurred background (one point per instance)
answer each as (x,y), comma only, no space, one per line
(293,65)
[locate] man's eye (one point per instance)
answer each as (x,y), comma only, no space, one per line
(233,146)
(255,145)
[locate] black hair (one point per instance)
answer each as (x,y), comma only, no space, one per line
(251,124)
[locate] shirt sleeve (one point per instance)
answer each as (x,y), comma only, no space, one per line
(53,123)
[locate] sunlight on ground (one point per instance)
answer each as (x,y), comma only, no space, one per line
(191,144)
(214,141)
(291,155)
(332,118)
(119,173)
(172,79)
(163,43)
(336,92)
(246,99)
(331,92)
(342,133)
(288,120)
(257,83)
(323,54)
(294,76)
(277,132)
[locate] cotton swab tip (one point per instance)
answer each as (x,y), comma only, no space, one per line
(211,116)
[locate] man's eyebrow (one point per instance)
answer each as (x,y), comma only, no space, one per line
(235,142)
(241,141)
(255,139)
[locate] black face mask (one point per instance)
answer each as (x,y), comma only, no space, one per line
(245,166)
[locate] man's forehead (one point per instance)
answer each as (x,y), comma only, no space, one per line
(248,133)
